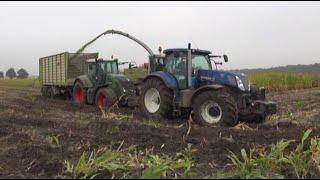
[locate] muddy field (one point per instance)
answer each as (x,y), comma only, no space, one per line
(27,120)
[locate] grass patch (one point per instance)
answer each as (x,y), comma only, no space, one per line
(278,162)
(129,163)
(281,81)
(135,73)
(32,83)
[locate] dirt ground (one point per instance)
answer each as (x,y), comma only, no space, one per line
(27,120)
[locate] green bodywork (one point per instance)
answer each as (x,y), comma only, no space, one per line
(116,84)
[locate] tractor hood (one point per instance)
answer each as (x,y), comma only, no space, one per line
(125,84)
(238,80)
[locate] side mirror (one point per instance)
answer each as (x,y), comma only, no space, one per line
(225,57)
(193,72)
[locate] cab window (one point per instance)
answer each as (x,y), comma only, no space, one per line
(200,62)
(175,63)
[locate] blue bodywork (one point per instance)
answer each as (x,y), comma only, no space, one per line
(205,77)
(217,77)
(170,81)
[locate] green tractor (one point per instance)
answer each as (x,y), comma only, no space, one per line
(84,77)
(103,85)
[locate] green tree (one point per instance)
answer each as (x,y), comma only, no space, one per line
(11,73)
(1,74)
(22,74)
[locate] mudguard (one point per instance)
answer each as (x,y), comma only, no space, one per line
(85,81)
(205,88)
(169,80)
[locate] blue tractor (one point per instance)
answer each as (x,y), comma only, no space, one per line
(181,81)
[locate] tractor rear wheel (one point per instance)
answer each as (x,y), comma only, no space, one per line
(215,107)
(253,118)
(155,99)
(78,93)
(105,98)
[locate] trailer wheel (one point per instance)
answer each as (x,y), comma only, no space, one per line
(78,93)
(44,91)
(155,99)
(105,98)
(50,92)
(215,107)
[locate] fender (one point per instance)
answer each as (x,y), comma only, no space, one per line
(91,93)
(95,89)
(85,81)
(206,88)
(169,80)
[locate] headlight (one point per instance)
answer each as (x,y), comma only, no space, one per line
(240,84)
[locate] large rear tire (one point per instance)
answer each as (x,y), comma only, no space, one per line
(105,98)
(253,118)
(156,99)
(215,107)
(78,93)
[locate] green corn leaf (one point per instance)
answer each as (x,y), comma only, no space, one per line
(154,172)
(106,157)
(304,137)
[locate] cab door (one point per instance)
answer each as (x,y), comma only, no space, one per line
(176,64)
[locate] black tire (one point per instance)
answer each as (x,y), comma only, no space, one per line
(166,99)
(44,91)
(50,93)
(105,98)
(224,105)
(79,93)
(253,118)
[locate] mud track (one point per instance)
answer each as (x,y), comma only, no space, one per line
(27,120)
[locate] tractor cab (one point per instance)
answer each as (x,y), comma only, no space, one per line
(190,67)
(96,71)
(176,63)
(112,66)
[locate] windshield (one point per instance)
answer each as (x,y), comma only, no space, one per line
(101,66)
(111,67)
(92,68)
(200,61)
(176,64)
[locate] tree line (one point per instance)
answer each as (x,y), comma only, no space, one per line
(11,74)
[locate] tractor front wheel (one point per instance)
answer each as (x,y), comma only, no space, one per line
(215,107)
(155,99)
(105,98)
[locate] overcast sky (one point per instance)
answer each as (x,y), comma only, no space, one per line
(252,34)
